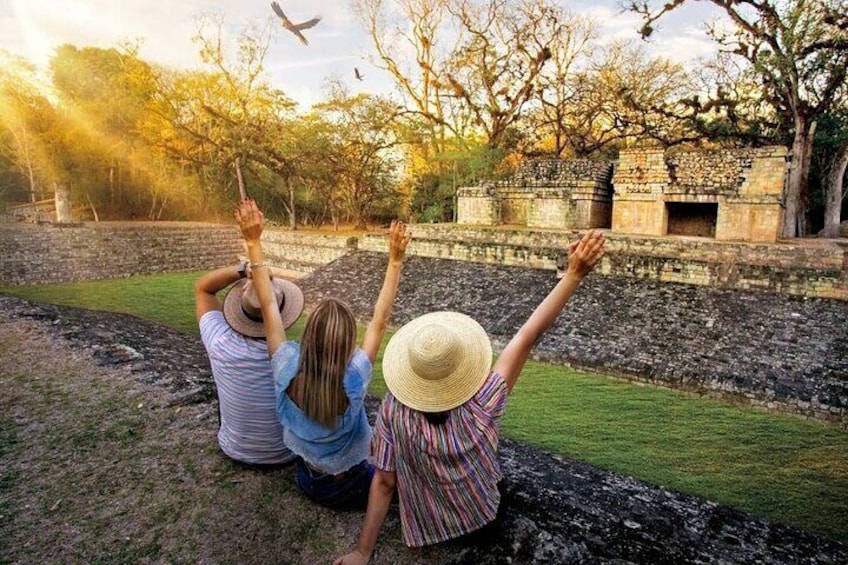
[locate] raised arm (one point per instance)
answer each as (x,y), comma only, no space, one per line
(399,238)
(251,221)
(379,498)
(582,258)
(210,284)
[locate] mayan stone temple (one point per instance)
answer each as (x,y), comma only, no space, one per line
(729,194)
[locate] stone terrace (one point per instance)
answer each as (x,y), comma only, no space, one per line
(781,352)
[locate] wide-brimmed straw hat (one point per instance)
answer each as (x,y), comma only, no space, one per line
(242,311)
(437,361)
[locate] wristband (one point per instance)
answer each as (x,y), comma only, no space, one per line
(242,269)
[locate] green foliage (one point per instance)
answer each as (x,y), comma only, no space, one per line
(434,190)
(831,133)
(432,199)
(786,469)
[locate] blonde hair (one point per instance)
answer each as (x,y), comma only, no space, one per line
(325,349)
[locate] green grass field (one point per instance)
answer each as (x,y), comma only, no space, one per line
(783,468)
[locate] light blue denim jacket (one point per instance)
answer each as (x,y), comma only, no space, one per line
(332,451)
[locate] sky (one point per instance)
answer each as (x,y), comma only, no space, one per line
(34,28)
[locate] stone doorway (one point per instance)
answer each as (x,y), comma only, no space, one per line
(692,218)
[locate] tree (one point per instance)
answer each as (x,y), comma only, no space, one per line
(563,81)
(103,94)
(428,40)
(227,121)
(830,160)
(26,116)
(835,193)
(618,95)
(503,48)
(476,62)
(798,49)
(364,138)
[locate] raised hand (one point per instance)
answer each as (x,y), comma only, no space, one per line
(352,558)
(399,239)
(583,255)
(250,219)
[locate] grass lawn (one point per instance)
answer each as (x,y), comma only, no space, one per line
(783,468)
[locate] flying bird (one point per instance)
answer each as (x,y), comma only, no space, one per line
(357,74)
(294,28)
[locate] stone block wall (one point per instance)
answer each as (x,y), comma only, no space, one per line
(813,269)
(745,184)
(543,193)
(36,254)
(39,211)
(514,207)
(551,207)
(476,207)
(304,252)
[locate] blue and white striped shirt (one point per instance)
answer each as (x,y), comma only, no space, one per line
(250,431)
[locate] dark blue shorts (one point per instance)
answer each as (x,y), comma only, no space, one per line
(345,491)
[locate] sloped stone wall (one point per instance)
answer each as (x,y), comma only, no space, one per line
(304,252)
(783,353)
(36,254)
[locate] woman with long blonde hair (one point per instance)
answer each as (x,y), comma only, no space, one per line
(321,383)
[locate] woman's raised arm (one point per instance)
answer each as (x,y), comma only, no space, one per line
(583,255)
(399,238)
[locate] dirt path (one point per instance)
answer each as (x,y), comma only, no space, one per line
(96,467)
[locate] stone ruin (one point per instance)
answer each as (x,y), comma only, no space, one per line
(548,193)
(733,194)
(727,194)
(57,209)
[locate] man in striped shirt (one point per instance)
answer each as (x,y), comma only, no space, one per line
(249,430)
(436,438)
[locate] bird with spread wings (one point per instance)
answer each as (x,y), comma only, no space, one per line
(294,28)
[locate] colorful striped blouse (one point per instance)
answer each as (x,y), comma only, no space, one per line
(447,474)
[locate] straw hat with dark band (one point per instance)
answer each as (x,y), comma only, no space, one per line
(437,361)
(242,311)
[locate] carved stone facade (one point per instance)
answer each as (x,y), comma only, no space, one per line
(547,194)
(731,195)
(726,194)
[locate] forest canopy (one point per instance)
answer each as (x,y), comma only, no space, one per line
(479,86)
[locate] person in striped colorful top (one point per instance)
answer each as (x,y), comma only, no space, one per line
(321,382)
(436,438)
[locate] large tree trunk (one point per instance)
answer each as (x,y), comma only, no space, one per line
(292,214)
(833,190)
(804,200)
(794,211)
(32,185)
